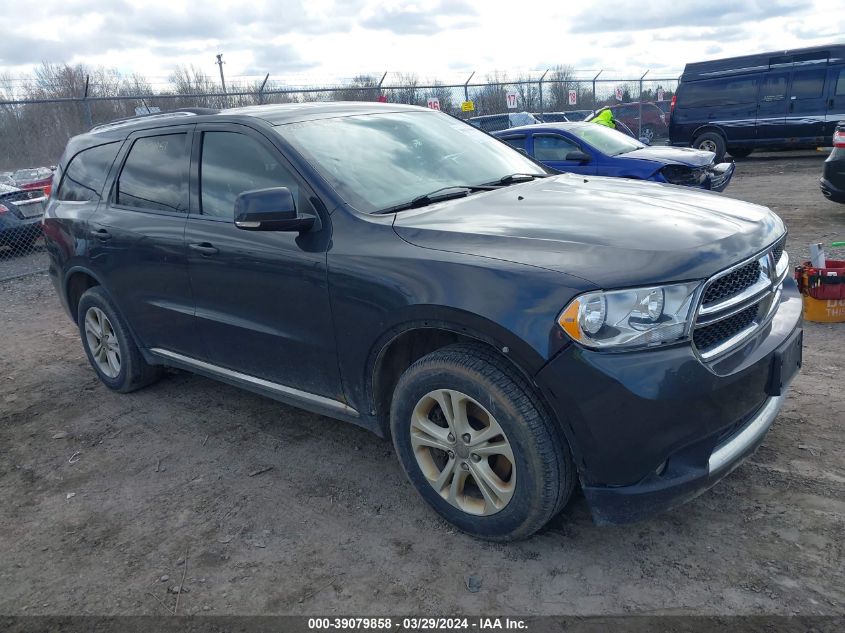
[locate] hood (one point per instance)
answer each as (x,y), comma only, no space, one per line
(610,231)
(678,155)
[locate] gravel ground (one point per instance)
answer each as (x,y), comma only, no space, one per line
(112,502)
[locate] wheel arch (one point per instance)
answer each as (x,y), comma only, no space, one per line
(708,127)
(77,280)
(410,340)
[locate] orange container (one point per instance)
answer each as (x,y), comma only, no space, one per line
(824,310)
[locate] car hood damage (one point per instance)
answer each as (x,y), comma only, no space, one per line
(677,155)
(612,232)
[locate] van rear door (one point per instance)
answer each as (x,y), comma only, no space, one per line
(771,108)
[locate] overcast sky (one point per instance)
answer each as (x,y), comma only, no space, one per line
(319,39)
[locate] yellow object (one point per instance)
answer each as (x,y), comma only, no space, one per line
(568,320)
(605,117)
(824,310)
(467,106)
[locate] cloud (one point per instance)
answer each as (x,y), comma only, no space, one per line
(421,20)
(616,15)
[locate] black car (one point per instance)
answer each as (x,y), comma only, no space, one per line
(833,179)
(782,100)
(516,333)
(20,217)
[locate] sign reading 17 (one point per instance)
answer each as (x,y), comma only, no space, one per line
(510,97)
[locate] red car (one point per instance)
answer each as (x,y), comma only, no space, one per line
(653,123)
(34,178)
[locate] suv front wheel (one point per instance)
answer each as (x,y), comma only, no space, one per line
(477,445)
(109,346)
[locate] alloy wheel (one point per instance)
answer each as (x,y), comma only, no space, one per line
(463,452)
(102,342)
(707,145)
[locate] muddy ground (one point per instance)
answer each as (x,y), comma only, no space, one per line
(108,500)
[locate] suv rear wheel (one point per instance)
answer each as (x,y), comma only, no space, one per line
(477,446)
(109,346)
(711,142)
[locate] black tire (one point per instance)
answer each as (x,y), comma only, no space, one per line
(649,133)
(545,473)
(135,372)
(740,152)
(711,142)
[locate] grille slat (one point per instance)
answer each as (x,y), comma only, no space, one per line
(733,283)
(719,332)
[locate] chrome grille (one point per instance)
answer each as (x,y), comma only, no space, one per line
(739,301)
(711,335)
(733,283)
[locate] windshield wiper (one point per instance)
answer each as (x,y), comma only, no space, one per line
(438,195)
(514,178)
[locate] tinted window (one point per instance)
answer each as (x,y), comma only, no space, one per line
(155,174)
(773,88)
(86,173)
(517,142)
(840,84)
(552,147)
(233,163)
(717,92)
(808,84)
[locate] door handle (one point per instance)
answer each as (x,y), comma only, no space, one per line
(101,234)
(204,248)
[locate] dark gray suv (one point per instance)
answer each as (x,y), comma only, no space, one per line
(516,333)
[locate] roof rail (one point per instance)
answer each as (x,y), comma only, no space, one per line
(157,115)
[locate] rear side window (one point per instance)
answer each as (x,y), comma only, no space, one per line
(155,174)
(717,92)
(773,88)
(808,84)
(86,173)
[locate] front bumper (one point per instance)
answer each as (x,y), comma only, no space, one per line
(720,176)
(652,429)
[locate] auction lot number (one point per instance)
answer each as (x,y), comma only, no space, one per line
(416,624)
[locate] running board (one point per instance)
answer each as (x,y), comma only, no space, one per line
(308,400)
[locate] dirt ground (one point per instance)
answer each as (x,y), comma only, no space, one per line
(109,500)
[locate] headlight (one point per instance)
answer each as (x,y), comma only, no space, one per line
(637,317)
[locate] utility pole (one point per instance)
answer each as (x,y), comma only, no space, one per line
(220,63)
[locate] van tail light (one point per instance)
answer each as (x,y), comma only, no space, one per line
(672,104)
(839,139)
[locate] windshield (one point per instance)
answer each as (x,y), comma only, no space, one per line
(606,140)
(378,161)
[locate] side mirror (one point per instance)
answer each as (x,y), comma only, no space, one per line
(581,157)
(270,209)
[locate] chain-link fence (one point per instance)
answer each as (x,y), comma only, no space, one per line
(39,115)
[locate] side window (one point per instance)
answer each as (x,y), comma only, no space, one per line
(773,88)
(155,174)
(233,163)
(517,142)
(717,92)
(552,147)
(840,84)
(86,173)
(808,84)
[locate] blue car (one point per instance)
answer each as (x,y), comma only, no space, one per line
(596,150)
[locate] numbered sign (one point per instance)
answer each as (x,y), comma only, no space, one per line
(619,94)
(660,94)
(434,103)
(511,99)
(467,106)
(573,97)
